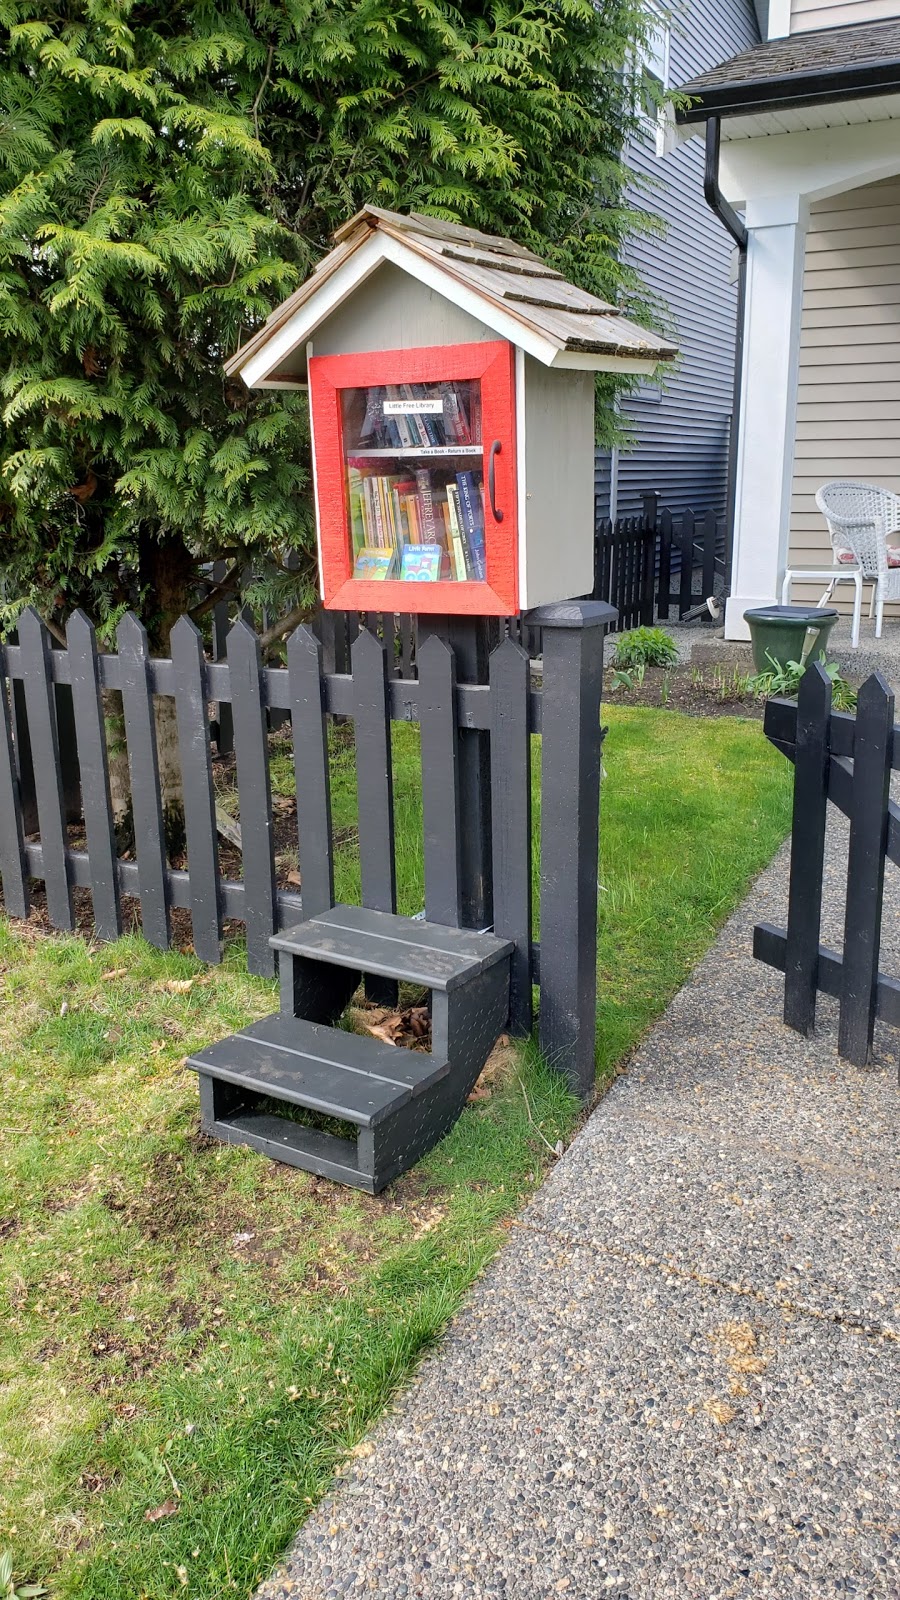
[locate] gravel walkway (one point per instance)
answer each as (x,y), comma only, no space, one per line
(680,1378)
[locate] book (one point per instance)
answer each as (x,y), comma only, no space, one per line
(456,424)
(406,429)
(371,422)
(472,523)
(426,506)
(417,422)
(378,522)
(374,564)
(357,517)
(456,531)
(421,563)
(412,519)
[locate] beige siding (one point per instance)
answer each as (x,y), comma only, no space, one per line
(808,14)
(848,397)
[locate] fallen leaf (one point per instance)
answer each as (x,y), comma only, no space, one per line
(364,1448)
(114,972)
(380,1032)
(181,1575)
(294,877)
(177,985)
(169,1508)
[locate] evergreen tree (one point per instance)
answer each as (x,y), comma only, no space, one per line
(169,172)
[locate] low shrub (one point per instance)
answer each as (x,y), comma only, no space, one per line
(645,647)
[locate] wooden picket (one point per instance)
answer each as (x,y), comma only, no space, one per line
(848,761)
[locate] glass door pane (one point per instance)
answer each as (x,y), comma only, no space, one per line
(413,463)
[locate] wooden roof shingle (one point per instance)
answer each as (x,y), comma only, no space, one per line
(504,275)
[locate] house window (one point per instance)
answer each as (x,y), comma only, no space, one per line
(655,63)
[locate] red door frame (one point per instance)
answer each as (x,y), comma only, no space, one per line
(494,364)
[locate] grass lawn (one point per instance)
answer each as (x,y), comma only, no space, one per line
(194,1338)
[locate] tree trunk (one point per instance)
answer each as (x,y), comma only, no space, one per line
(117,755)
(167,574)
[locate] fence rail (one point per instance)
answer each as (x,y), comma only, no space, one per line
(847,761)
(38,801)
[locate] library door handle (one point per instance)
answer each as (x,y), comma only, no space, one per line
(495,451)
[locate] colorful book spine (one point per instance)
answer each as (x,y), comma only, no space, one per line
(426,506)
(457,535)
(418,425)
(470,505)
(456,425)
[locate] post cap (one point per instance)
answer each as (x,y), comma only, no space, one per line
(572,614)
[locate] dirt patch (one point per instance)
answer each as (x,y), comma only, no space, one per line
(707,691)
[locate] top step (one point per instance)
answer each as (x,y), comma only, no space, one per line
(394,947)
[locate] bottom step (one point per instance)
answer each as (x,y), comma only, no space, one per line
(282,1140)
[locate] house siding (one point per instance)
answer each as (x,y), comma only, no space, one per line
(809,14)
(848,393)
(680,440)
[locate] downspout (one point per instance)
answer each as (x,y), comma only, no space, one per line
(730,219)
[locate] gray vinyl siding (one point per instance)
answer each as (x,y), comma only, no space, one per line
(680,440)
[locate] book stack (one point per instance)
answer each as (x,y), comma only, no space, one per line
(404,416)
(426,527)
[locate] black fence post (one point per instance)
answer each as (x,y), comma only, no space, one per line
(807,849)
(665,566)
(573,633)
(872,751)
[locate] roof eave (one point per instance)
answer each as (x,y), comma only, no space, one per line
(792,89)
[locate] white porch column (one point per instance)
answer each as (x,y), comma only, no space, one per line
(777,230)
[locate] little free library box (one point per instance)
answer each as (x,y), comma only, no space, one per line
(451,388)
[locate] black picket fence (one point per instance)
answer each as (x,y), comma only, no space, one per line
(847,760)
(657,564)
(49,781)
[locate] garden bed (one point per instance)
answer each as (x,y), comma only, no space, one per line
(195,1338)
(701,691)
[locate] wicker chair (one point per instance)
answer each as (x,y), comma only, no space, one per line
(861,518)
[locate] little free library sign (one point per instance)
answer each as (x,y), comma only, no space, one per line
(451,391)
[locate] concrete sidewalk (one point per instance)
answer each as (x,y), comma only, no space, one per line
(680,1378)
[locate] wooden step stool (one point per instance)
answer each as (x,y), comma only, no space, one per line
(400,1102)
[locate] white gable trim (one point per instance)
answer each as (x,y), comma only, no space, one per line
(297,329)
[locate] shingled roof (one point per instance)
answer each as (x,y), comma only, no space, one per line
(551,316)
(814,68)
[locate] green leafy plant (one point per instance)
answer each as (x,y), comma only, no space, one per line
(9,1589)
(622,679)
(784,681)
(646,647)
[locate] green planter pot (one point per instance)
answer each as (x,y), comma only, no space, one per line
(779,633)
